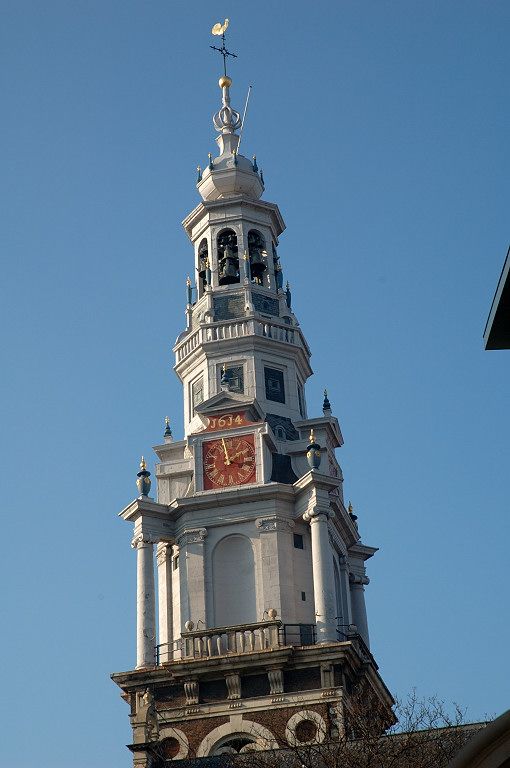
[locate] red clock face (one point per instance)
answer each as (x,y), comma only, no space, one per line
(228,461)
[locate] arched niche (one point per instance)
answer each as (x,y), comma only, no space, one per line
(233,566)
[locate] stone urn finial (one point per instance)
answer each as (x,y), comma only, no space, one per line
(143,480)
(313,452)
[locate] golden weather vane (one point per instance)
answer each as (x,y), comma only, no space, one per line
(220,29)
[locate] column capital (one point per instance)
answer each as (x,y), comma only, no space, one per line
(358,580)
(316,513)
(192,536)
(142,540)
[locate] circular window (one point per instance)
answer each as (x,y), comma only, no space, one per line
(305,727)
(174,746)
(306,731)
(170,748)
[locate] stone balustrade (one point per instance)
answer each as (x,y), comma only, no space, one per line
(235,329)
(221,641)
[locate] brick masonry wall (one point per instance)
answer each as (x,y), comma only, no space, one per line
(274,720)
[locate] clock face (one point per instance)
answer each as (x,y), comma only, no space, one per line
(228,461)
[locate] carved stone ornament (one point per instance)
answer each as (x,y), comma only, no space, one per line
(357,580)
(142,539)
(268,524)
(191,691)
(275,677)
(193,536)
(233,682)
(327,675)
(316,513)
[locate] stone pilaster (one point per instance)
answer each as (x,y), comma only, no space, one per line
(276,567)
(165,607)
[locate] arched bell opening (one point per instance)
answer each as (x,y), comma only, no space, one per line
(228,257)
(256,251)
(203,264)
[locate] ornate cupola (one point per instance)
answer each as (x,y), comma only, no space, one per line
(255,635)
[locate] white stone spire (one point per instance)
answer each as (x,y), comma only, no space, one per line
(229,173)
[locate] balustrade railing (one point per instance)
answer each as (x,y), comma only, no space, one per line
(235,329)
(219,641)
(251,638)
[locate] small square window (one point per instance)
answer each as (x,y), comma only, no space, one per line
(303,596)
(275,389)
(298,541)
(235,378)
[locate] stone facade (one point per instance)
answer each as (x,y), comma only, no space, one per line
(254,630)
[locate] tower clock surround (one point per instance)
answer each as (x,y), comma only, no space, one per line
(228,461)
(256,625)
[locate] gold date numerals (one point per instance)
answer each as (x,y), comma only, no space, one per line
(228,421)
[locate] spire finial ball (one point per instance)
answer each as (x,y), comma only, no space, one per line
(224,81)
(143,465)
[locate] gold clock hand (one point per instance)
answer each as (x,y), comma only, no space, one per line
(227,460)
(239,453)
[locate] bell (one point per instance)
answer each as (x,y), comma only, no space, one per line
(201,272)
(228,268)
(202,265)
(257,262)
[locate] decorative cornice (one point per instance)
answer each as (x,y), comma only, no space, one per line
(192,536)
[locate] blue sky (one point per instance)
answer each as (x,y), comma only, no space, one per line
(382,130)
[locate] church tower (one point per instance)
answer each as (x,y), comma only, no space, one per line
(254,633)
